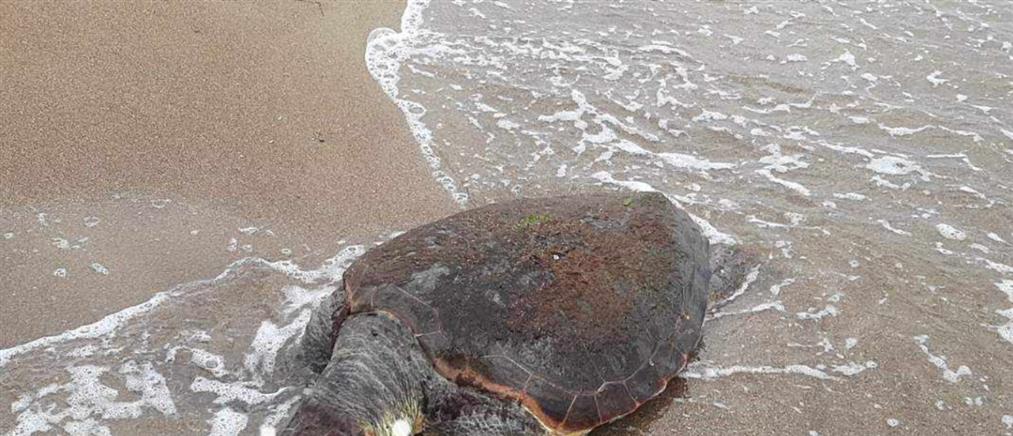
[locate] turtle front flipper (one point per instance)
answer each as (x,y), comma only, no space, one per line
(374,383)
(317,343)
(463,412)
(730,265)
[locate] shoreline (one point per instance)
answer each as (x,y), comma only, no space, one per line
(184,138)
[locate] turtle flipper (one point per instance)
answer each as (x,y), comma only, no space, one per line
(466,413)
(730,264)
(374,382)
(318,338)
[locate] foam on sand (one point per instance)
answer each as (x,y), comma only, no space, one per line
(941,363)
(703,371)
(83,404)
(1006,330)
(104,326)
(227,422)
(949,232)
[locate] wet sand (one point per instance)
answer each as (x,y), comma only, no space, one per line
(150,144)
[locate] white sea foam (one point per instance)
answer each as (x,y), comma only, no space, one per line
(848,59)
(904,131)
(941,363)
(271,423)
(995,266)
(850,343)
(894,166)
(851,368)
(208,361)
(247,392)
(628,184)
(775,290)
(705,371)
(99,268)
(227,422)
(748,280)
(794,186)
(99,328)
(850,196)
(796,57)
(1006,286)
(386,50)
(886,225)
(934,78)
(949,232)
(816,315)
(269,339)
(679,160)
(88,402)
(774,305)
(1005,331)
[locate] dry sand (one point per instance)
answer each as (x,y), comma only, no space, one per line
(138,138)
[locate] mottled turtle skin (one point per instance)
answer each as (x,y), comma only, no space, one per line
(577,308)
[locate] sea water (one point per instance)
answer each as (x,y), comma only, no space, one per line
(859,152)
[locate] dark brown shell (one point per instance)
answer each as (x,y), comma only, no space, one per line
(581,308)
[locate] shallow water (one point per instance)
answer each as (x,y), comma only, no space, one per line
(860,152)
(204,357)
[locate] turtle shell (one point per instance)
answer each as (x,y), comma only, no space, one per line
(581,307)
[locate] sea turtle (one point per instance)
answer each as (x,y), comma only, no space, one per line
(552,315)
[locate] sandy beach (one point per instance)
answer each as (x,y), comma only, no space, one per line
(137,140)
